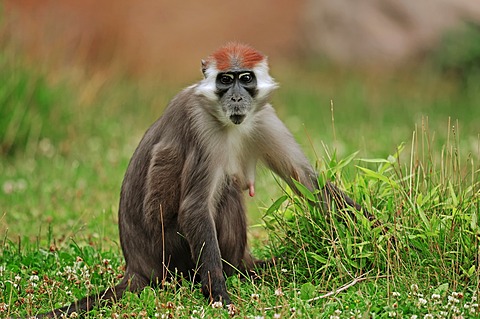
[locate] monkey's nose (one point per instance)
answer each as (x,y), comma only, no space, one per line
(236,98)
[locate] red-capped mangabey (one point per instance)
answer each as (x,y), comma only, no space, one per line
(181,206)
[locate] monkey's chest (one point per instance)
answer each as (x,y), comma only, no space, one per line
(237,165)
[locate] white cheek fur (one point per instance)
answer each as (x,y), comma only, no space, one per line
(265,83)
(207,86)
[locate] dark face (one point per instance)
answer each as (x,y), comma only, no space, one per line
(236,91)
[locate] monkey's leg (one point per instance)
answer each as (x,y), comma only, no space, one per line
(196,220)
(198,227)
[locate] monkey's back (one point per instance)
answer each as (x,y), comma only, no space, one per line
(145,217)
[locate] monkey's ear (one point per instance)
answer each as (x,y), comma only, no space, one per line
(204,67)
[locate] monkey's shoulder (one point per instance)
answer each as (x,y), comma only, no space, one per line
(184,101)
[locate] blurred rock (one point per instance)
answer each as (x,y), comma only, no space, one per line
(381,32)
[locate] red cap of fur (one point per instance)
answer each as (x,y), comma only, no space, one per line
(236,55)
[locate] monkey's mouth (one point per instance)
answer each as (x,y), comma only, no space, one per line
(237,118)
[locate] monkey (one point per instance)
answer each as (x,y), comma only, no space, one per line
(181,210)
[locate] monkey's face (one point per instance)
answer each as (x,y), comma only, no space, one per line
(236,83)
(236,91)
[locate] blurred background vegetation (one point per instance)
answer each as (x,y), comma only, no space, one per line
(80,82)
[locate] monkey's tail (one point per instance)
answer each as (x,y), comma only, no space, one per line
(87,303)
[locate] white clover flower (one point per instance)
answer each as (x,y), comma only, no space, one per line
(396,294)
(278,292)
(277,316)
(8,187)
(436,296)
(455,294)
(414,317)
(232,310)
(428,316)
(422,301)
(217,304)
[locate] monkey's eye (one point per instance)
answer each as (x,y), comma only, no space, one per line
(226,78)
(246,77)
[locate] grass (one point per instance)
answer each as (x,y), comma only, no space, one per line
(407,146)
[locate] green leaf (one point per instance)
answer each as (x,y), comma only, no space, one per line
(373,160)
(378,176)
(307,291)
(442,289)
(474,221)
(423,217)
(471,270)
(318,258)
(452,194)
(276,205)
(304,191)
(347,160)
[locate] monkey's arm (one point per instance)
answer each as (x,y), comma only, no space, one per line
(283,155)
